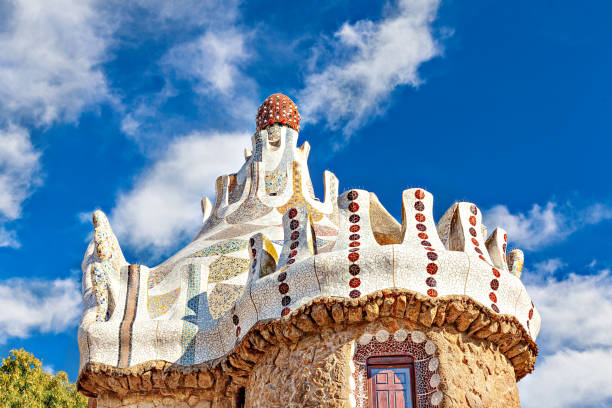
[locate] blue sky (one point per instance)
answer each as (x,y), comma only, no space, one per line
(135,109)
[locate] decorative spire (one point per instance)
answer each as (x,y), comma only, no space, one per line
(278,108)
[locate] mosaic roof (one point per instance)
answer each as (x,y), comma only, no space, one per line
(268,246)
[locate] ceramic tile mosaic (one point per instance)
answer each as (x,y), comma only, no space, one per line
(496,245)
(227,267)
(297,199)
(268,246)
(222,297)
(515,262)
(223,248)
(158,305)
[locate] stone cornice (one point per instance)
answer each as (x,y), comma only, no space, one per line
(231,371)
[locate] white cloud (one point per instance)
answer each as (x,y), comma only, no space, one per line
(548,267)
(157,16)
(50,55)
(29,305)
(570,379)
(211,60)
(19,175)
(370,60)
(8,238)
(542,226)
(49,369)
(597,213)
(163,207)
(212,63)
(576,311)
(575,363)
(537,228)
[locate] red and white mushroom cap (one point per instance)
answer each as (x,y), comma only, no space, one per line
(278,108)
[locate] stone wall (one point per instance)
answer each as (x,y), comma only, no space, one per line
(315,371)
(312,373)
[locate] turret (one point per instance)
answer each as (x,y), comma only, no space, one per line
(285,300)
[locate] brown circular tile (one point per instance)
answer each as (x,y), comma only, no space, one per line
(432,268)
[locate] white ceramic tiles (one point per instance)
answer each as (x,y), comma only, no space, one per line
(496,246)
(268,246)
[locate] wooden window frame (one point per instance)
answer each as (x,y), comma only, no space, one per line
(399,361)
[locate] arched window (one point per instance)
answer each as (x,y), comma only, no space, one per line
(391,382)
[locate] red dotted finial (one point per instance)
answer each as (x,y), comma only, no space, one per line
(278,108)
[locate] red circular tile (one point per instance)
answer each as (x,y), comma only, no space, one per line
(421,227)
(355,282)
(420,194)
(353,207)
(354,228)
(285,312)
(293,254)
(505,237)
(472,231)
(431,282)
(419,206)
(294,245)
(235,319)
(352,195)
(294,224)
(423,235)
(432,268)
(473,220)
(495,272)
(473,209)
(353,256)
(496,309)
(354,237)
(426,243)
(354,294)
(482,258)
(354,244)
(493,297)
(295,235)
(432,256)
(354,218)
(475,242)
(430,248)
(283,288)
(292,213)
(432,292)
(282,276)
(354,249)
(290,261)
(354,269)
(478,250)
(285,300)
(419,217)
(494,284)
(530,314)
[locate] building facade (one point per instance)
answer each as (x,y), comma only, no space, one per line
(283,300)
